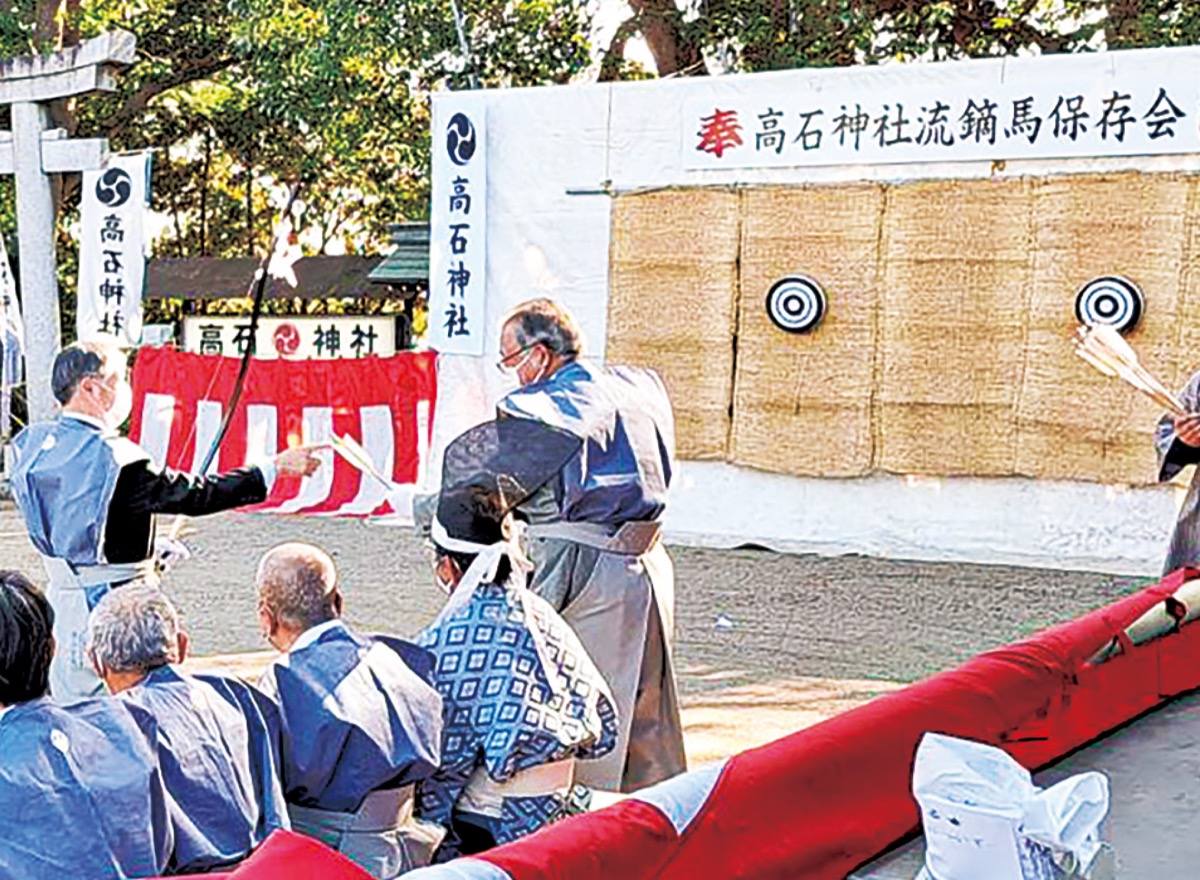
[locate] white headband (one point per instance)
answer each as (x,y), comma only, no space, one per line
(483,568)
(442,538)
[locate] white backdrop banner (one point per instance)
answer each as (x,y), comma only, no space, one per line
(112,262)
(458,227)
(556,155)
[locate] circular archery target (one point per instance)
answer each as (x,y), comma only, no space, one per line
(1111,300)
(796,304)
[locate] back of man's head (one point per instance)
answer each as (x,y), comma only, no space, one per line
(545,321)
(82,359)
(297,583)
(134,628)
(26,640)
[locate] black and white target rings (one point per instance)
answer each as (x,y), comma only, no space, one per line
(1111,300)
(796,304)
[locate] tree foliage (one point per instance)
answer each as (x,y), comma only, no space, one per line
(237,96)
(706,36)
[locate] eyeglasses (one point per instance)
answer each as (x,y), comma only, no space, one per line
(505,365)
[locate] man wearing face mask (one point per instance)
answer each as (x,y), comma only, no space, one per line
(594,530)
(89,497)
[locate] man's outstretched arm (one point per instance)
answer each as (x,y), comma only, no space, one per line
(141,489)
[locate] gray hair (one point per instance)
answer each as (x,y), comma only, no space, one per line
(545,321)
(297,582)
(82,359)
(134,628)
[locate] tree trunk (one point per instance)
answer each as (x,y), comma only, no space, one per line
(55,25)
(249,208)
(204,192)
(662,25)
(614,58)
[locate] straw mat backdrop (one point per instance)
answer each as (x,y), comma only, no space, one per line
(674,289)
(946,347)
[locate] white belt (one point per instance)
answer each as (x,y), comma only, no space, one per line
(64,575)
(484,796)
(632,539)
(384,810)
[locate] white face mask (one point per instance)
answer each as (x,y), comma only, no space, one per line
(122,406)
(511,371)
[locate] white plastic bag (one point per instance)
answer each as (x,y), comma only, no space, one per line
(984,819)
(1065,820)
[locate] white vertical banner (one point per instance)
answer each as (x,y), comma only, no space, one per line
(458,225)
(112,260)
(12,341)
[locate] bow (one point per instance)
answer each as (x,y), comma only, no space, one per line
(259,287)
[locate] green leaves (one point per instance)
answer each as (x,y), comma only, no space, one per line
(239,95)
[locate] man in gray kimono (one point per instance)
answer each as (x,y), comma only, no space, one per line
(1177,442)
(594,534)
(88,497)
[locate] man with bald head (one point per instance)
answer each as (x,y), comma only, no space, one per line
(361,722)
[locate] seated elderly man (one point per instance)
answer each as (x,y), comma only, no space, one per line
(80,790)
(523,699)
(362,725)
(218,739)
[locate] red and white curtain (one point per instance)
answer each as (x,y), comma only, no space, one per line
(386,404)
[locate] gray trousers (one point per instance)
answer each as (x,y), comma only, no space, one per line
(72,678)
(381,836)
(620,600)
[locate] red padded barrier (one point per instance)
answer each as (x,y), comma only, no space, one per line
(286,855)
(822,801)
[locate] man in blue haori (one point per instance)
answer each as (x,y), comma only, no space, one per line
(218,738)
(524,701)
(88,497)
(80,790)
(594,530)
(362,725)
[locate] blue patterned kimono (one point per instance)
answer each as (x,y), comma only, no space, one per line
(218,747)
(519,691)
(81,794)
(356,718)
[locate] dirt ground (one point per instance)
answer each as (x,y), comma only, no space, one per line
(791,639)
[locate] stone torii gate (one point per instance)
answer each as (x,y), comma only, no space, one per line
(33,151)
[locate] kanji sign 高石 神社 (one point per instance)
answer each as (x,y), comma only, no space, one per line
(458,227)
(112,261)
